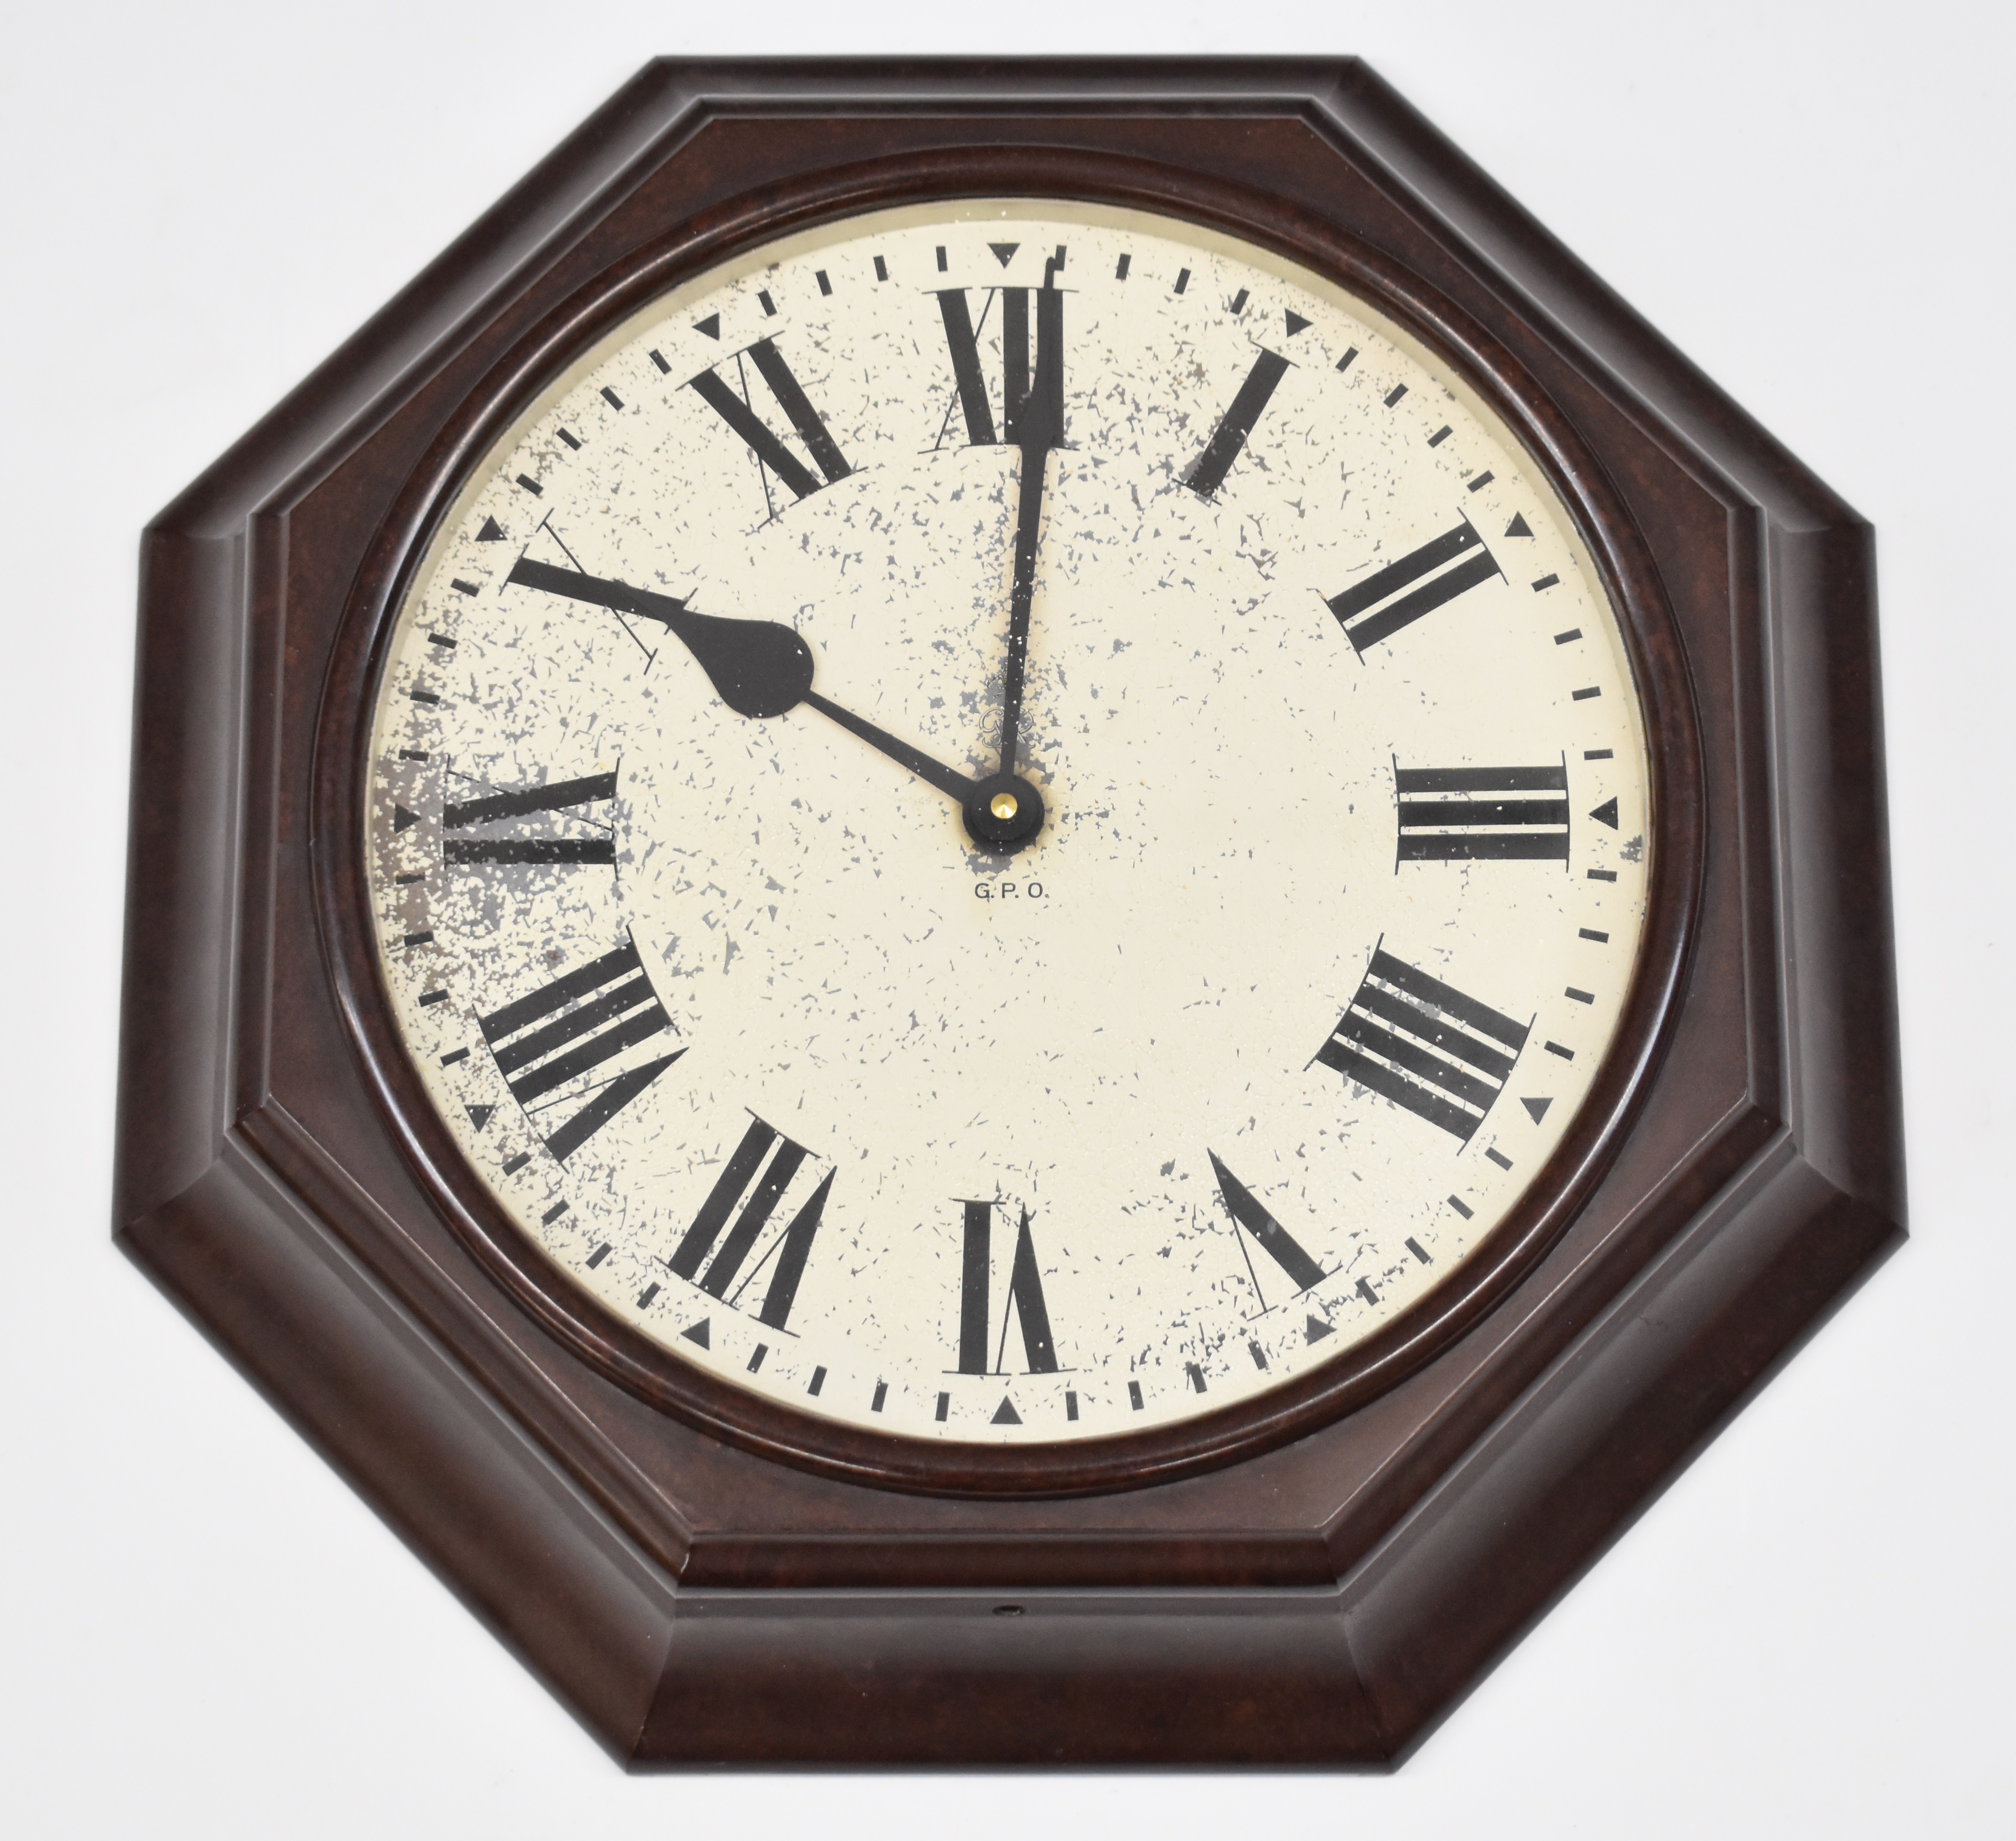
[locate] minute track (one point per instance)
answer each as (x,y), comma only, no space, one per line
(1241,806)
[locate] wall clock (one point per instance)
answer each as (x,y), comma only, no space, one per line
(1008,913)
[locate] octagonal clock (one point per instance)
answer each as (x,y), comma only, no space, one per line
(980,884)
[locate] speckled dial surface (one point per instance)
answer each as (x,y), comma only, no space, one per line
(1007,821)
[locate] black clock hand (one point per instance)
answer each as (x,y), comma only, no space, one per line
(957,786)
(1035,425)
(759,667)
(1028,516)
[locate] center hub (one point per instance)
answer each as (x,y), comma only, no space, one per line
(1004,812)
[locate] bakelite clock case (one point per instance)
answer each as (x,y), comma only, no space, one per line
(1314,1578)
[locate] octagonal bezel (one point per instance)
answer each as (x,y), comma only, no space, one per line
(1125,1460)
(257,1185)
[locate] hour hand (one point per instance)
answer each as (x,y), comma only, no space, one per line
(759,667)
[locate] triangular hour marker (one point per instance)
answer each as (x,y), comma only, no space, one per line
(1315,1329)
(1005,1414)
(1606,813)
(492,532)
(479,1116)
(710,326)
(1004,252)
(402,817)
(1537,1107)
(700,1333)
(1296,322)
(1518,526)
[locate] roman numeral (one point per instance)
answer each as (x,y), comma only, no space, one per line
(1399,594)
(561,795)
(731,403)
(748,1190)
(1272,1239)
(1444,818)
(1032,398)
(1208,472)
(1025,1297)
(537,1056)
(1424,1045)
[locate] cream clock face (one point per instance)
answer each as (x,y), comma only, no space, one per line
(1007,821)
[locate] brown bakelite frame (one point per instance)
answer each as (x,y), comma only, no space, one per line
(1315,1576)
(1128,1461)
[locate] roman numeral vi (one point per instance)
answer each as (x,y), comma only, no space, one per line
(1025,1297)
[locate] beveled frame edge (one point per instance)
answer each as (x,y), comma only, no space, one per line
(1598,1437)
(179,1005)
(1406,1636)
(403,1419)
(203,534)
(1122,1460)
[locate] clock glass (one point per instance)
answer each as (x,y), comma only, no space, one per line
(1007,821)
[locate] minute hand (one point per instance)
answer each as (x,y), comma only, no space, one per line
(1036,426)
(759,667)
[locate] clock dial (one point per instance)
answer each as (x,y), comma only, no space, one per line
(1007,821)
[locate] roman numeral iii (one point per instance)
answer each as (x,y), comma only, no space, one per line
(1208,472)
(744,1197)
(1446,815)
(568,1028)
(1032,396)
(1425,1046)
(731,402)
(557,796)
(1422,581)
(1025,1297)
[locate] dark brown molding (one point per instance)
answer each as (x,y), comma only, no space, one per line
(1342,1564)
(1124,1462)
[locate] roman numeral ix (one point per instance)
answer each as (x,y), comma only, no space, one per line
(556,796)
(1424,1045)
(1425,579)
(1032,397)
(1025,1299)
(1445,815)
(538,1056)
(1208,472)
(731,402)
(743,1199)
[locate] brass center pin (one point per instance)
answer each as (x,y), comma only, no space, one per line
(1003,805)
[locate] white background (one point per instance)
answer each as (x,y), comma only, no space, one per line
(206,1633)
